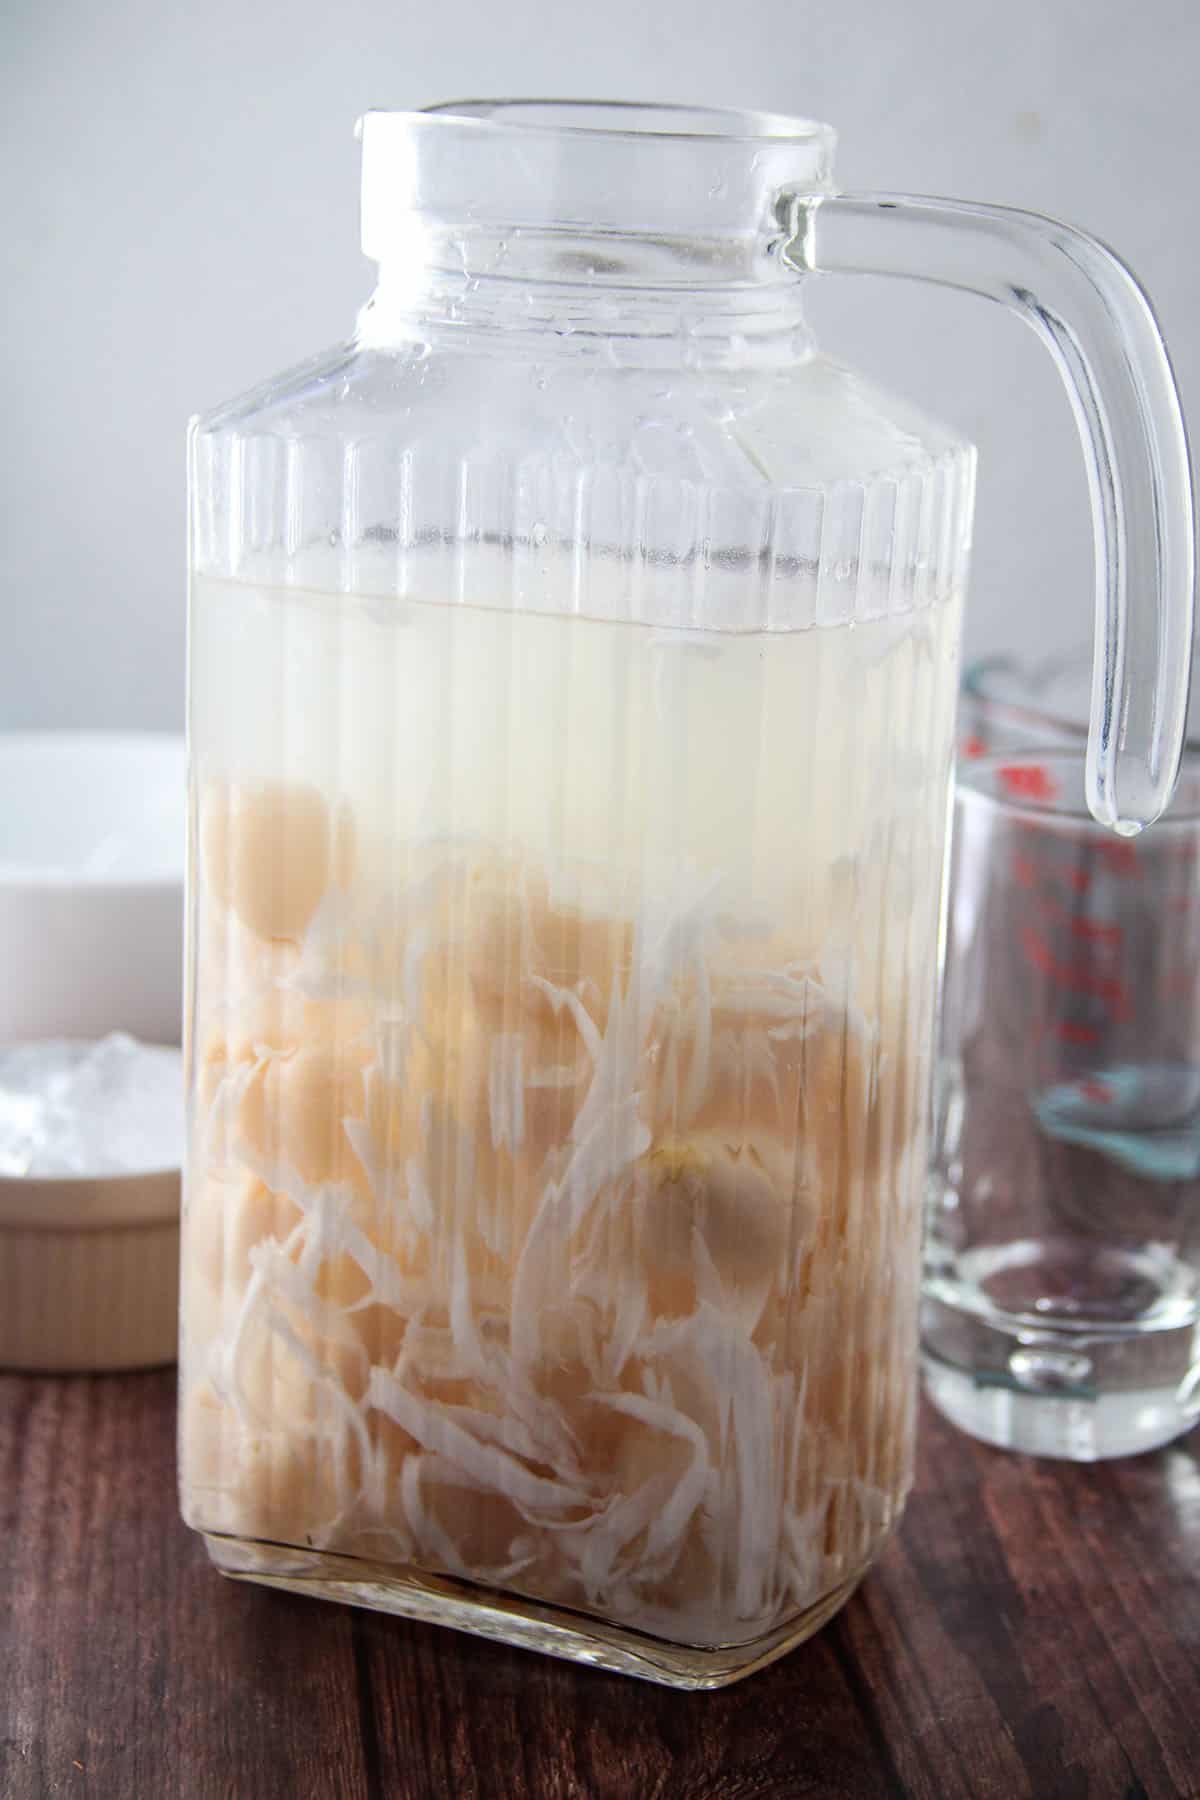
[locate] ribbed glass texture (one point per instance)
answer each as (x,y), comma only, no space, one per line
(570,743)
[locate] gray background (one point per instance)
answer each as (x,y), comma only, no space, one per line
(178,191)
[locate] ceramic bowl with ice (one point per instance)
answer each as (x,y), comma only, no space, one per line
(92,849)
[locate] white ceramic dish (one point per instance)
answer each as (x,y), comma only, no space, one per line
(89,1271)
(92,850)
(90,1142)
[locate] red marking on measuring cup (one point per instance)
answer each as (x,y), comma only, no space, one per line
(974,746)
(1062,912)
(1099,1091)
(1094,931)
(1073,1033)
(1029,781)
(1121,857)
(1080,880)
(1037,950)
(1077,978)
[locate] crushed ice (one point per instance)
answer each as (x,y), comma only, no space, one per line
(113,1107)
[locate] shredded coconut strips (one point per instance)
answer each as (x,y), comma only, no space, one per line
(564,1252)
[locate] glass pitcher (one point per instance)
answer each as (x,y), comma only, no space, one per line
(573,663)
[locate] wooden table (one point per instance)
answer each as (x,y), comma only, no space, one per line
(1033,1630)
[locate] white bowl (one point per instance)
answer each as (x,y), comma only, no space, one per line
(89,1272)
(92,849)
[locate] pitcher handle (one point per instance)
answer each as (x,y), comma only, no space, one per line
(1098,325)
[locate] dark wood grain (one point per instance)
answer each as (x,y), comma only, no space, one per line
(1033,1630)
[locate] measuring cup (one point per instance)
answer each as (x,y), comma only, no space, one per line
(1063,1246)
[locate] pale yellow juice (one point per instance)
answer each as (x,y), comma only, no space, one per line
(559,1007)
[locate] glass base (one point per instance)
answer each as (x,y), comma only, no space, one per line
(556,1631)
(1063,1346)
(1079,1427)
